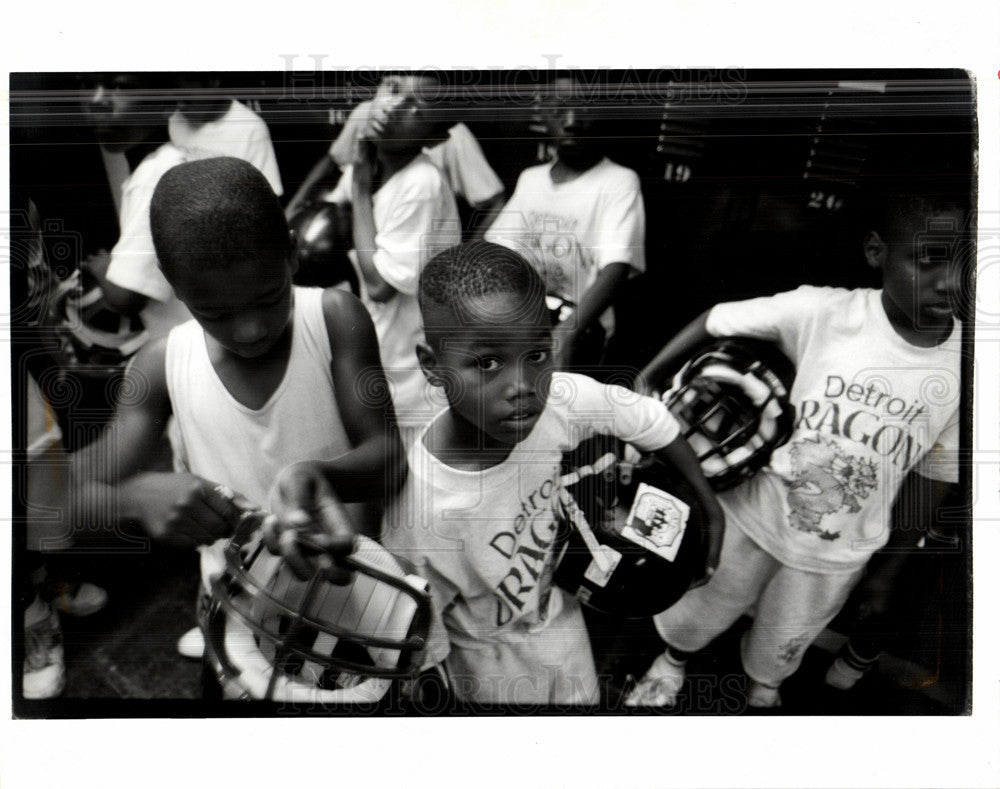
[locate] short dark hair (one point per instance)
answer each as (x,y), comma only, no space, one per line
(911,178)
(214,213)
(477,269)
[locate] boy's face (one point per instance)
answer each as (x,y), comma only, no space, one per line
(115,110)
(245,308)
(496,366)
(921,269)
(569,122)
(410,123)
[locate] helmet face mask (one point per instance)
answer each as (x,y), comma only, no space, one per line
(732,402)
(96,340)
(271,636)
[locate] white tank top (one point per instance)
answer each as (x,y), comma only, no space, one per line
(218,438)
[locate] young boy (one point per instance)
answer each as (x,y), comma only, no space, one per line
(403,213)
(459,157)
(476,515)
(128,118)
(877,386)
(580,221)
(264,376)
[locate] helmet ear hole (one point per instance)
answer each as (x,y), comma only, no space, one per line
(731,400)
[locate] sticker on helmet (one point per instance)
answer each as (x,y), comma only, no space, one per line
(657,521)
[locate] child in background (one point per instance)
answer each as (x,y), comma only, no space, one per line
(128,117)
(266,375)
(459,157)
(802,530)
(403,213)
(208,124)
(476,515)
(580,221)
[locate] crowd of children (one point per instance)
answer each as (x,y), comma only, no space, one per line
(441,399)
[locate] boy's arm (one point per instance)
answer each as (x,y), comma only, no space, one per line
(484,215)
(679,455)
(652,376)
(593,304)
(363,226)
(914,514)
(108,490)
(375,467)
(320,172)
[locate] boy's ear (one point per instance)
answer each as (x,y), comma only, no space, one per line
(875,250)
(428,364)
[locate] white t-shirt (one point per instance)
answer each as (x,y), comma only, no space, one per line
(572,230)
(415,218)
(869,406)
(241,132)
(484,538)
(459,157)
(133,263)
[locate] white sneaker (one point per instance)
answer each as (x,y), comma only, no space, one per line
(192,644)
(659,686)
(762,696)
(81,599)
(44,669)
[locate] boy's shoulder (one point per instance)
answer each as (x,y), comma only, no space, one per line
(575,393)
(343,312)
(615,173)
(812,300)
(154,166)
(420,176)
(146,372)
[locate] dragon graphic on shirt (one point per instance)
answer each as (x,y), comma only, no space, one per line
(825,480)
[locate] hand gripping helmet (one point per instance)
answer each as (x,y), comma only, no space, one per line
(95,338)
(630,539)
(731,400)
(270,636)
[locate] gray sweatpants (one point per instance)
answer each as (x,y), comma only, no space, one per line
(792,608)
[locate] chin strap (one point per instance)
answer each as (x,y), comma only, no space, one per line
(575,514)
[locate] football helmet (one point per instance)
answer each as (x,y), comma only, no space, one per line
(732,402)
(94,338)
(324,236)
(630,539)
(271,636)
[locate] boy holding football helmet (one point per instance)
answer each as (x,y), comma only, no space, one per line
(266,375)
(476,515)
(875,392)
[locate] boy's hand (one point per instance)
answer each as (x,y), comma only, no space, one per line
(715,527)
(183,510)
(313,528)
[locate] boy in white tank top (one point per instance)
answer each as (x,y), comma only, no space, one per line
(266,375)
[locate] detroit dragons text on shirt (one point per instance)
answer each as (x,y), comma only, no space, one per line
(530,554)
(867,426)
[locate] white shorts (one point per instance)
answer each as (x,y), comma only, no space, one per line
(792,608)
